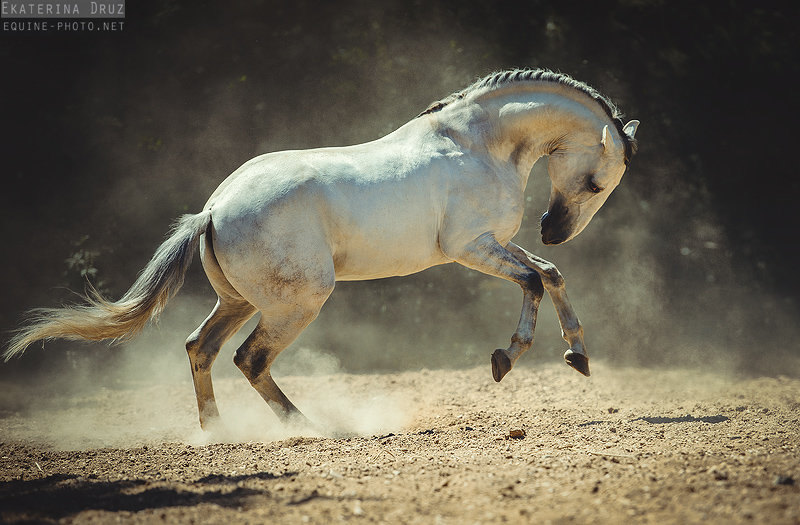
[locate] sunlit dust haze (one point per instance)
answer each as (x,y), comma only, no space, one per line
(168,112)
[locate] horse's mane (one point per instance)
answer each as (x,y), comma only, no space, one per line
(503,78)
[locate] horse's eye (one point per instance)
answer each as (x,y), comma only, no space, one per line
(593,187)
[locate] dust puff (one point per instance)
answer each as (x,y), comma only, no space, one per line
(337,404)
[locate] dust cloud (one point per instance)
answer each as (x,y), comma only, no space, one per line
(652,278)
(119,400)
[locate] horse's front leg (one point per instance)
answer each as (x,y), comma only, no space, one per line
(486,255)
(571,329)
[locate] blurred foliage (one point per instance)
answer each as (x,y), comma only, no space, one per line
(151,143)
(82,270)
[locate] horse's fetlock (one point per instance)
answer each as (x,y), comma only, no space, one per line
(521,340)
(572,331)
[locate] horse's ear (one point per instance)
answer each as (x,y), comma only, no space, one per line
(608,140)
(630,128)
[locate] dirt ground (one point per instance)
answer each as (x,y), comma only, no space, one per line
(443,446)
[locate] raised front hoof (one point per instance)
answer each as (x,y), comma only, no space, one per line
(501,364)
(577,361)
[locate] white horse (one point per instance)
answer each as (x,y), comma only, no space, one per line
(448,186)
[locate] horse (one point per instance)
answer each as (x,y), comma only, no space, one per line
(447,186)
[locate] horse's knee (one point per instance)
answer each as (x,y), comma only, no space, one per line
(252,363)
(533,284)
(199,358)
(240,359)
(204,343)
(553,276)
(192,345)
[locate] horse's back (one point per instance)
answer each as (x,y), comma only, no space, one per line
(360,212)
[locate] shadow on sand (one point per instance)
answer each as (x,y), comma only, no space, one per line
(61,495)
(659,420)
(688,418)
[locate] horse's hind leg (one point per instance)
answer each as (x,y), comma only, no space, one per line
(204,344)
(279,325)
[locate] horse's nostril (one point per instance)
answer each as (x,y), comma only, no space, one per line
(554,215)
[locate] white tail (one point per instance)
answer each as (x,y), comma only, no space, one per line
(101,319)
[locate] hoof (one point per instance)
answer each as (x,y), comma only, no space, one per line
(501,364)
(577,361)
(212,424)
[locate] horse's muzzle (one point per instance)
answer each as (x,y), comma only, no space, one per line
(552,232)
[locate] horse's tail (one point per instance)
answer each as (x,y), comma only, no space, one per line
(99,318)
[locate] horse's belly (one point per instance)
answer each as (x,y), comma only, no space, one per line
(380,255)
(362,270)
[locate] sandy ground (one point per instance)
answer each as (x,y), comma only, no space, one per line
(443,446)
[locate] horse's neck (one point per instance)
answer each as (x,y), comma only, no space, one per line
(526,125)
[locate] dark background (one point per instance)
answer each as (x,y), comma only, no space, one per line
(107,137)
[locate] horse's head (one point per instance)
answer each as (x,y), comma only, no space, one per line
(582,177)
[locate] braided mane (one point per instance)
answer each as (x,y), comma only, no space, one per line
(503,78)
